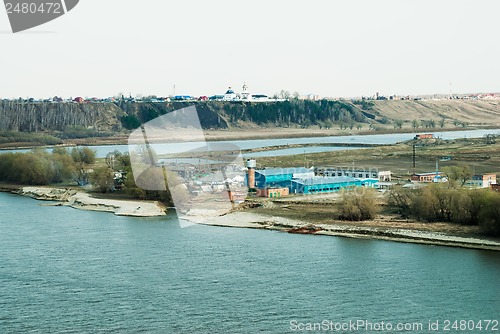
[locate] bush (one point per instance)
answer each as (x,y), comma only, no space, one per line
(83,154)
(102,179)
(359,204)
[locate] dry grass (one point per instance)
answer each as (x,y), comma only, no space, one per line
(328,214)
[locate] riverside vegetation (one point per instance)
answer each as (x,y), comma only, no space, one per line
(449,203)
(78,167)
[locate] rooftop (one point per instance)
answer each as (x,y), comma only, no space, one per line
(283,171)
(325,180)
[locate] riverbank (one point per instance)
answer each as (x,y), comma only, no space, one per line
(247,219)
(243,219)
(84,201)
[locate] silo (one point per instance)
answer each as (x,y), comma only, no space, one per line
(251,164)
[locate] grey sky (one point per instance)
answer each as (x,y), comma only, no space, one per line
(326,47)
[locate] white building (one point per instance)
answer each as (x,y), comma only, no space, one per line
(230,95)
(482,181)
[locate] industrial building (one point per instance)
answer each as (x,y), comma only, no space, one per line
(321,184)
(280,182)
(429,177)
(482,181)
(280,177)
(354,173)
(273,192)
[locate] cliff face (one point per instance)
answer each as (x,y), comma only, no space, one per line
(211,114)
(34,117)
(44,116)
(114,117)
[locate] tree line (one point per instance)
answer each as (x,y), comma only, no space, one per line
(78,166)
(445,203)
(40,167)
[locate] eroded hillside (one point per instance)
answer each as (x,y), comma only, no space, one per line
(127,115)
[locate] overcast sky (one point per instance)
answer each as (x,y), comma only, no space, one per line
(327,47)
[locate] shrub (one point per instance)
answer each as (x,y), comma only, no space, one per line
(83,154)
(102,179)
(489,216)
(359,204)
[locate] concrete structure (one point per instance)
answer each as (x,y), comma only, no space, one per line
(273,192)
(251,164)
(237,196)
(385,176)
(482,181)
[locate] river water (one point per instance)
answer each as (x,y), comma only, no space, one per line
(170,148)
(65,270)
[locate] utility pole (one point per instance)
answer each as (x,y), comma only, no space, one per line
(414,157)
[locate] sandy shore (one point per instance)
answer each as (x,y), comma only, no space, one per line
(241,219)
(84,201)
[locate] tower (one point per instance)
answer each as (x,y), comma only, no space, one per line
(245,94)
(251,164)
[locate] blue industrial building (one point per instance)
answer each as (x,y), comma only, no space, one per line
(304,181)
(323,185)
(275,177)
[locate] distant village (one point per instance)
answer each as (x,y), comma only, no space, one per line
(229,96)
(245,95)
(488,96)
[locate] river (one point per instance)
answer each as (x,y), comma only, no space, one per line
(381,139)
(65,270)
